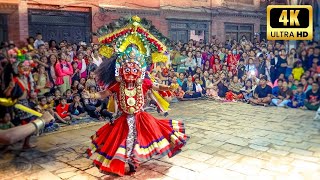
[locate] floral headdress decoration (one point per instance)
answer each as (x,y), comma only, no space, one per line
(129,36)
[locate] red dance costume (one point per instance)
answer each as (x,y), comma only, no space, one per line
(137,137)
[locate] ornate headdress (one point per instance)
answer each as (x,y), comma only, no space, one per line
(131,43)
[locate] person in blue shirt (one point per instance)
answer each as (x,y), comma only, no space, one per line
(276,89)
(298,98)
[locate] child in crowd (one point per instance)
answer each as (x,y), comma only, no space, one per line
(68,95)
(74,87)
(57,96)
(82,85)
(199,88)
(76,72)
(298,71)
(76,108)
(298,98)
(241,68)
(247,90)
(62,111)
(5,122)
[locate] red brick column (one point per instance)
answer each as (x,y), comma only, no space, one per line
(23,21)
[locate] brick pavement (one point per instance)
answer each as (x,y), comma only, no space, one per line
(228,140)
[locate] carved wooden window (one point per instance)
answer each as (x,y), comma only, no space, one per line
(236,31)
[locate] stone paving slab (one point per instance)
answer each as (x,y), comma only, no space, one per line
(228,141)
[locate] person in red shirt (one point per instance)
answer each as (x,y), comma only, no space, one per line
(232,61)
(62,111)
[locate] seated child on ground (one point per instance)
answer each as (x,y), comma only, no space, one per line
(76,108)
(62,111)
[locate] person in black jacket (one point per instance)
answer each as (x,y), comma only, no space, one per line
(77,109)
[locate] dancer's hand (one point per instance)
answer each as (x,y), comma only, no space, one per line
(47,117)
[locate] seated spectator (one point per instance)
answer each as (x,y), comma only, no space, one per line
(178,92)
(57,96)
(298,98)
(276,89)
(62,111)
(5,122)
(95,107)
(284,96)
(82,85)
(247,90)
(190,89)
(222,86)
(262,93)
(234,92)
(199,87)
(181,79)
(76,108)
(91,81)
(306,86)
(68,95)
(209,86)
(74,87)
(312,101)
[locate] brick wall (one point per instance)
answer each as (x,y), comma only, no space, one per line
(11,10)
(218,24)
(154,10)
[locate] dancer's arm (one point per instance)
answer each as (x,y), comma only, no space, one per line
(15,134)
(98,95)
(162,87)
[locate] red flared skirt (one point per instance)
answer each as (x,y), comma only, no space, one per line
(155,138)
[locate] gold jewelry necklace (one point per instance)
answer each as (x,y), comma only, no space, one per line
(130,93)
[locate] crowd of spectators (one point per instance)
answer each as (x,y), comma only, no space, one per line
(255,72)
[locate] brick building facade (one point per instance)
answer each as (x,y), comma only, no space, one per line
(75,20)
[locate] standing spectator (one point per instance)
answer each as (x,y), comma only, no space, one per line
(298,71)
(91,81)
(82,66)
(41,78)
(190,63)
(281,65)
(51,70)
(91,65)
(38,41)
(241,69)
(312,101)
(64,71)
(262,93)
(97,60)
